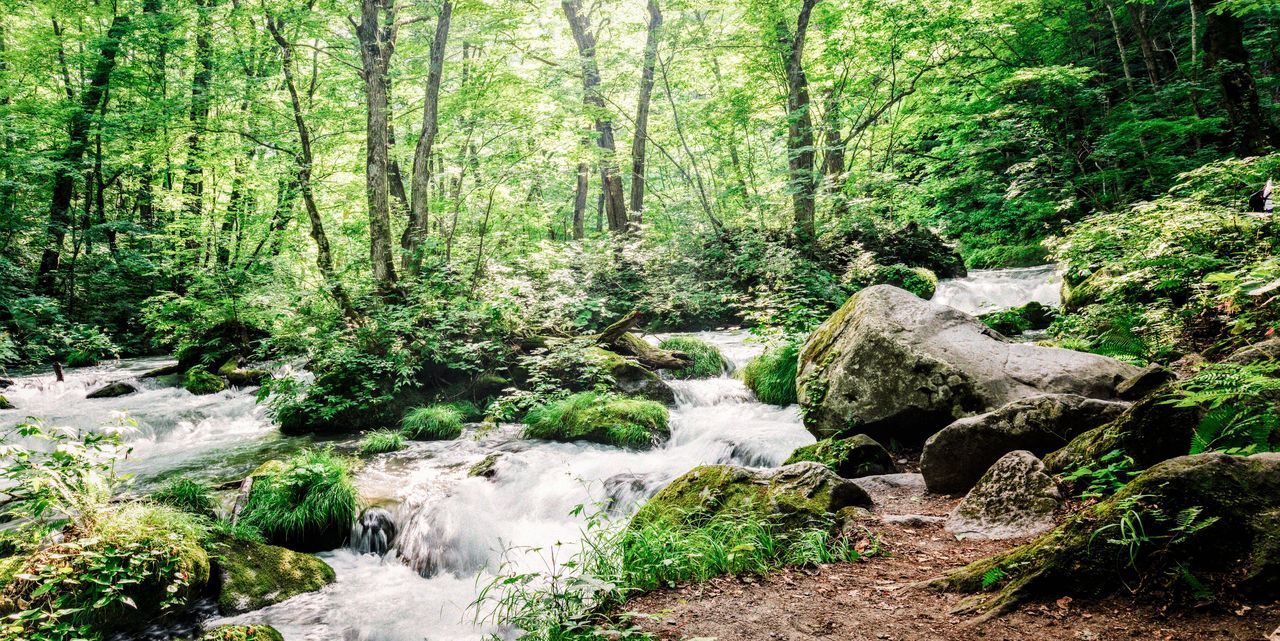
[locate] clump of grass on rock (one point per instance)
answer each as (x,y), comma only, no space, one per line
(772,375)
(708,362)
(600,418)
(308,504)
(381,442)
(432,423)
(186,495)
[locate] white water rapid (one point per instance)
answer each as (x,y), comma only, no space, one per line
(991,290)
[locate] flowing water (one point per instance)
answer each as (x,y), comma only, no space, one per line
(991,290)
(443,532)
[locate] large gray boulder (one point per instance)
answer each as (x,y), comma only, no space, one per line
(1014,499)
(956,457)
(899,368)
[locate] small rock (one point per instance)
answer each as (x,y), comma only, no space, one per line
(1014,499)
(487,467)
(116,389)
(5,404)
(1145,382)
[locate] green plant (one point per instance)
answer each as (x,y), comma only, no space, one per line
(199,381)
(432,423)
(1239,403)
(73,476)
(772,375)
(309,505)
(708,362)
(993,577)
(600,418)
(185,494)
(1115,469)
(381,442)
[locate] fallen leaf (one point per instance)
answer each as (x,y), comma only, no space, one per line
(1064,603)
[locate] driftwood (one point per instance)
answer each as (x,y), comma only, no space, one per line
(619,339)
(242,498)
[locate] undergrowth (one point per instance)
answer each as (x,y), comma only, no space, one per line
(308,505)
(772,375)
(708,362)
(432,423)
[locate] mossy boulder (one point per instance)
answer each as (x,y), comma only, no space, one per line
(487,467)
(241,633)
(1211,517)
(256,575)
(957,456)
(792,496)
(631,378)
(1019,320)
(308,504)
(899,368)
(113,390)
(1014,499)
(201,382)
(851,458)
(5,404)
(1149,431)
(600,418)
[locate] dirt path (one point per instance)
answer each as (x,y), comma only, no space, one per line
(867,600)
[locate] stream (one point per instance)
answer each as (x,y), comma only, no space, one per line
(454,531)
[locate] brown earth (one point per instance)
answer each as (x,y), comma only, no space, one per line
(871,600)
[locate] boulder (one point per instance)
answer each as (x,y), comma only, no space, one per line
(1208,522)
(792,496)
(956,457)
(116,389)
(851,458)
(1150,379)
(6,383)
(241,633)
(1149,431)
(1015,498)
(256,575)
(1268,350)
(899,368)
(200,382)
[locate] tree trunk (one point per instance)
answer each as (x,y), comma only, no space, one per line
(640,139)
(615,204)
(1137,17)
(799,127)
(1224,52)
(377,43)
(305,161)
(92,99)
(580,201)
(416,232)
(198,116)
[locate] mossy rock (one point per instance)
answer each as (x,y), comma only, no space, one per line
(851,458)
(487,467)
(1211,517)
(1017,320)
(792,496)
(5,404)
(241,633)
(1149,431)
(708,362)
(600,418)
(200,382)
(256,575)
(307,504)
(113,390)
(633,379)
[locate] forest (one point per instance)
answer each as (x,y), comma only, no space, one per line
(395,320)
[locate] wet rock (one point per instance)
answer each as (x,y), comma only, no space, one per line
(956,457)
(256,575)
(167,370)
(899,368)
(792,496)
(201,383)
(1268,350)
(6,383)
(487,467)
(119,388)
(883,483)
(1015,498)
(1150,431)
(633,379)
(374,531)
(851,458)
(5,404)
(1150,379)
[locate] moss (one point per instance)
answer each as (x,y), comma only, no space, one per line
(917,280)
(200,382)
(1150,431)
(708,362)
(600,418)
(772,375)
(308,506)
(851,458)
(241,633)
(487,467)
(256,575)
(631,378)
(432,423)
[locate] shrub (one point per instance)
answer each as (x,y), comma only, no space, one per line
(600,418)
(432,423)
(772,375)
(381,442)
(186,495)
(708,362)
(308,506)
(199,381)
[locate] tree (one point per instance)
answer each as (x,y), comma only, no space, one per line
(1225,53)
(800,144)
(376,33)
(416,231)
(641,137)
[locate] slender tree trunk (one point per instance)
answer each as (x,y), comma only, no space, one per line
(92,99)
(1224,52)
(1137,18)
(377,34)
(416,232)
(580,200)
(198,116)
(305,162)
(1124,54)
(641,137)
(615,204)
(799,127)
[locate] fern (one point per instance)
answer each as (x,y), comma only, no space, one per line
(992,577)
(1239,402)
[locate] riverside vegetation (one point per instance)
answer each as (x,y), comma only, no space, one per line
(406,225)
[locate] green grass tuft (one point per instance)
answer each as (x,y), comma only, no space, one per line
(708,362)
(187,495)
(309,505)
(381,442)
(432,423)
(772,375)
(600,418)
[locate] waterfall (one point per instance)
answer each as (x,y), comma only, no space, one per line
(991,290)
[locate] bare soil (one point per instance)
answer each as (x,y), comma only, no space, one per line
(872,599)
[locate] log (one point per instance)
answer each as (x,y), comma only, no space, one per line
(619,339)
